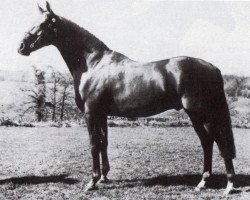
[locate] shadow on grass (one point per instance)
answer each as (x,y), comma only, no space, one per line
(215,182)
(40,179)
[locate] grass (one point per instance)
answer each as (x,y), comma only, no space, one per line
(146,163)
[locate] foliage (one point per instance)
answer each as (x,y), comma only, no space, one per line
(36,95)
(51,97)
(234,85)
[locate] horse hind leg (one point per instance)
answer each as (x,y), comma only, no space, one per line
(224,137)
(207,141)
(230,176)
(225,141)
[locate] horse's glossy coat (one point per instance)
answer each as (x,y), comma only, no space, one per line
(131,89)
(108,83)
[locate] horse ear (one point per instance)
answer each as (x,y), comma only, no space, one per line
(48,7)
(40,9)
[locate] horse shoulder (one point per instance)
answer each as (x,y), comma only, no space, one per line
(92,84)
(82,84)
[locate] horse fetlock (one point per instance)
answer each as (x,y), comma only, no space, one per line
(200,186)
(206,175)
(90,186)
(96,177)
(229,188)
(202,183)
(231,177)
(103,179)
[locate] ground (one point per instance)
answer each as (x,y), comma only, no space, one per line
(146,163)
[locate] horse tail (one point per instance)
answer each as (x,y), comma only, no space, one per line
(224,136)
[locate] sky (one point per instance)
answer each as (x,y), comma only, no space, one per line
(218,32)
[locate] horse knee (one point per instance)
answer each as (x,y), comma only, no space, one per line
(95,149)
(207,144)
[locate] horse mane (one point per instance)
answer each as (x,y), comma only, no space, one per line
(83,36)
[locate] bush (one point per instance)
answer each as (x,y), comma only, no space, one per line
(7,122)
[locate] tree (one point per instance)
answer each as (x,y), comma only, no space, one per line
(51,96)
(66,83)
(240,84)
(36,95)
(60,95)
(53,92)
(234,85)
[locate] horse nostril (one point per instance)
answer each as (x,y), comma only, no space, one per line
(22,46)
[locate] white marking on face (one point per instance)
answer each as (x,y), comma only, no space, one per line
(39,33)
(36,25)
(53,20)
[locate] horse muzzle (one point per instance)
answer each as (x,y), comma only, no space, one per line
(23,50)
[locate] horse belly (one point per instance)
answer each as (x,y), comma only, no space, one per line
(144,91)
(144,105)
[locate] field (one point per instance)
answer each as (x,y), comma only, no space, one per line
(146,163)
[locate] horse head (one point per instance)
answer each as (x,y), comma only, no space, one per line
(44,33)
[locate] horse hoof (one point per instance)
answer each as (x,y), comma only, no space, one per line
(198,189)
(229,189)
(227,192)
(104,179)
(90,187)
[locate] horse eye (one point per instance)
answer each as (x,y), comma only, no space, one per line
(53,20)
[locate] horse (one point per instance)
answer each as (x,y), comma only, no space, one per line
(107,83)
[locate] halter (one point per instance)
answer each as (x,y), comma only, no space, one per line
(38,36)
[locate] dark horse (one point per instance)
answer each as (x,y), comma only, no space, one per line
(108,83)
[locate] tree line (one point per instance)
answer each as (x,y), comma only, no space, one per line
(236,86)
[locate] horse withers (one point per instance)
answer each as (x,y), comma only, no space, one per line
(108,83)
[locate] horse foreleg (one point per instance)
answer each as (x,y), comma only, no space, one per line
(94,135)
(104,153)
(105,166)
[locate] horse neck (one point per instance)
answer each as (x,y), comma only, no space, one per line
(76,46)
